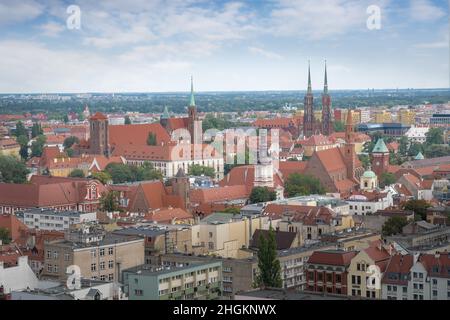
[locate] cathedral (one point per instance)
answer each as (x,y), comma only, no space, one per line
(311,125)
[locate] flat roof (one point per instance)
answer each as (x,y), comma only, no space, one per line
(153,270)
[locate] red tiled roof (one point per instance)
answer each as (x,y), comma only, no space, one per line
(245,175)
(316,140)
(225,193)
(332,258)
(436,265)
(289,167)
(136,134)
(399,265)
(98,116)
(169,215)
(276,122)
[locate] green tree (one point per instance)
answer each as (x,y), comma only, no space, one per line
(269,266)
(5,236)
(151,139)
(109,202)
(23,142)
(418,206)
(66,119)
(365,160)
(262,194)
(37,146)
(403,146)
(299,184)
(437,150)
(20,130)
(102,176)
(339,126)
(198,170)
(127,120)
(70,152)
(435,136)
(393,226)
(12,170)
(119,173)
(147,172)
(387,179)
(232,210)
(36,130)
(76,173)
(415,148)
(70,141)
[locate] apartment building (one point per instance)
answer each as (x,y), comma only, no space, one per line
(99,256)
(197,281)
(48,219)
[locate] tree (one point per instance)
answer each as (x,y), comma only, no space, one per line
(37,146)
(262,194)
(66,118)
(5,236)
(127,120)
(269,266)
(365,161)
(23,142)
(76,173)
(12,170)
(102,176)
(437,150)
(109,201)
(299,184)
(403,146)
(386,179)
(418,206)
(70,141)
(198,170)
(393,225)
(70,152)
(435,136)
(121,173)
(151,139)
(36,130)
(339,126)
(415,148)
(20,130)
(232,210)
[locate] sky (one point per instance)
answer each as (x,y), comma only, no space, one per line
(155,46)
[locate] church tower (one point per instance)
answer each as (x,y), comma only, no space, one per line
(380,157)
(327,122)
(192,113)
(349,147)
(181,186)
(308,116)
(99,133)
(164,119)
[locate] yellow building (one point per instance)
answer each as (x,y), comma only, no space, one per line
(318,115)
(9,147)
(221,234)
(407,117)
(365,272)
(382,116)
(356,116)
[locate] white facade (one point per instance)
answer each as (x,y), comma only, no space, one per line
(19,277)
(58,221)
(417,134)
(359,205)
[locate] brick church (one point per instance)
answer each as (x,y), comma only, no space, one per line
(311,125)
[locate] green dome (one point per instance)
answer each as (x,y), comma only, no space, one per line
(369,174)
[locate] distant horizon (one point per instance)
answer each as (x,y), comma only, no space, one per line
(222,91)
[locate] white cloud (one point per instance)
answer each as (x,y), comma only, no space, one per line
(265,53)
(318,19)
(425,10)
(13,11)
(52,29)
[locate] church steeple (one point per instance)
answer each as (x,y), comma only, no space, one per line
(309,78)
(325,86)
(192,100)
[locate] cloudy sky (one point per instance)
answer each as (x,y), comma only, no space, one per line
(152,46)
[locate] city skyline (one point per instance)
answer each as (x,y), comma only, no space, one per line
(152,46)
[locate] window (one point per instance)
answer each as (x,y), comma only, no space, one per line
(110,277)
(66,256)
(110,250)
(49,268)
(311,275)
(338,278)
(102,265)
(210,234)
(49,254)
(434,282)
(329,277)
(93,253)
(435,293)
(211,245)
(319,276)
(55,255)
(102,277)
(405,289)
(110,264)
(102,252)
(138,292)
(93,267)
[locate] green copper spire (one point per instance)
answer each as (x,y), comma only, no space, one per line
(192,101)
(309,78)
(325,87)
(165,114)
(380,147)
